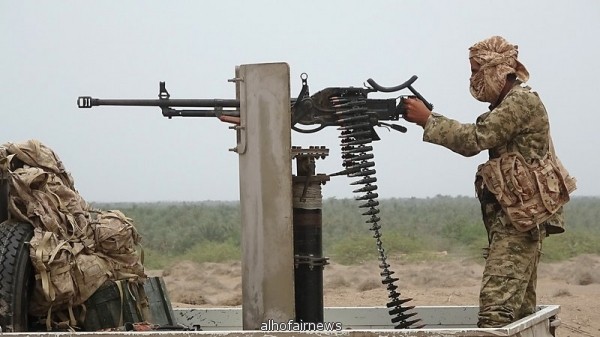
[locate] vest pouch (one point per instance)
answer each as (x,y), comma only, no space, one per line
(553,189)
(529,194)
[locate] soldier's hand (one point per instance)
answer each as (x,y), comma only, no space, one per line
(416,111)
(230,119)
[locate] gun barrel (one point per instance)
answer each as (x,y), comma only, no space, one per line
(88,102)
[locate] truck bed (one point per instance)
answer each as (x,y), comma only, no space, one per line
(375,322)
(455,321)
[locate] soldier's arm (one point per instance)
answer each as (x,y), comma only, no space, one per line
(491,129)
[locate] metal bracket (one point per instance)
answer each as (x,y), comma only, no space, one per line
(311,261)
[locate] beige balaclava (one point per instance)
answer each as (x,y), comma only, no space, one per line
(497,58)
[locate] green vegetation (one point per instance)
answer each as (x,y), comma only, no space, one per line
(418,229)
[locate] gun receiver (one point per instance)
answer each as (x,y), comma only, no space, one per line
(324,108)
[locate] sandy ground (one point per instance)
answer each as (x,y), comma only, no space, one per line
(573,284)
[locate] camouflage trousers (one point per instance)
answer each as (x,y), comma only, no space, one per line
(508,287)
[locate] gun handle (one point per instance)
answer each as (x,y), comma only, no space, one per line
(419,96)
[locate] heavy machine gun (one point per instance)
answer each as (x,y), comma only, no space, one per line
(322,108)
(356,116)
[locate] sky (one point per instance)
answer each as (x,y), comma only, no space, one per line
(55,51)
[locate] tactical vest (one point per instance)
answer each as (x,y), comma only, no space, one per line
(529,193)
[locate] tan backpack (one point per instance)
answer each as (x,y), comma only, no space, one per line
(74,249)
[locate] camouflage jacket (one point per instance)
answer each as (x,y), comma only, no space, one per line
(518,124)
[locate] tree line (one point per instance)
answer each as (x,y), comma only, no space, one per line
(210,230)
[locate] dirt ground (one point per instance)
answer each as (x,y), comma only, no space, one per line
(573,284)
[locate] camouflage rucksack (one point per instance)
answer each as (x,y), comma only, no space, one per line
(74,249)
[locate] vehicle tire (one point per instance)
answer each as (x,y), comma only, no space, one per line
(16,275)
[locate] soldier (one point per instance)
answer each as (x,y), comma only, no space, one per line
(516,126)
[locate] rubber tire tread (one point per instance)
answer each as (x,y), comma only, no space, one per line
(15,275)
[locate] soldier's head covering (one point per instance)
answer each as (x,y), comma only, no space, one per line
(497,58)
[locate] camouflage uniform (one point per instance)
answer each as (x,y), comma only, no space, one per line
(519,123)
